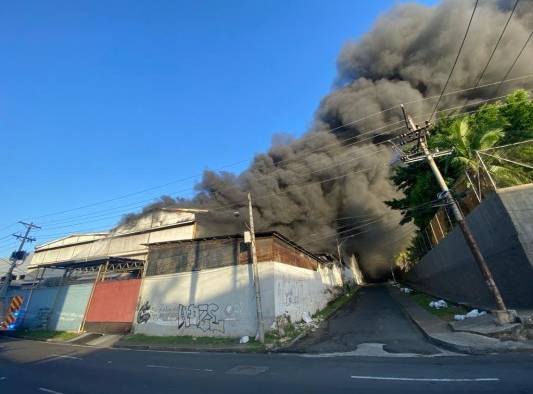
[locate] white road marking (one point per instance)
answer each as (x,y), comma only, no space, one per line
(65,356)
(49,391)
(178,368)
(426,379)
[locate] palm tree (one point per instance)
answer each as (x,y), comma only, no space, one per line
(466,141)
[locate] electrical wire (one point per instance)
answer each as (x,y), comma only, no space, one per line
(342,141)
(388,131)
(455,62)
(228,207)
(497,44)
(330,130)
(514,62)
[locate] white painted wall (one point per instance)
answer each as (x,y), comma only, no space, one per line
(213,302)
(300,290)
(221,301)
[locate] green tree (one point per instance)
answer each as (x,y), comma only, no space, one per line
(492,125)
(518,113)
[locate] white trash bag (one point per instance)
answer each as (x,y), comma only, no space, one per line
(440,304)
(475,313)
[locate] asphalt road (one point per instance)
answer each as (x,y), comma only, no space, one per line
(371,317)
(39,367)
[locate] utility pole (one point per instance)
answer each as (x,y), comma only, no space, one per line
(419,135)
(14,258)
(257,284)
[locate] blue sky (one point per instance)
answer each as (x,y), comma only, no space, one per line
(100,99)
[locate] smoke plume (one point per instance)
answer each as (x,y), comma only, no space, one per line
(331,183)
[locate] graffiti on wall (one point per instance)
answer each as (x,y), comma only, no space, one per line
(194,316)
(41,318)
(144,313)
(290,292)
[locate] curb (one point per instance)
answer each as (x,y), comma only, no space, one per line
(456,347)
(443,344)
(186,349)
(25,338)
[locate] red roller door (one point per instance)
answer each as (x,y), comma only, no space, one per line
(112,306)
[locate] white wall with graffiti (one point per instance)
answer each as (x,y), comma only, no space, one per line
(221,301)
(300,290)
(211,302)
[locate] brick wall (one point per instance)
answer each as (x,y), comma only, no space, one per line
(197,255)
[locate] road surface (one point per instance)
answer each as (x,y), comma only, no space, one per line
(372,317)
(40,367)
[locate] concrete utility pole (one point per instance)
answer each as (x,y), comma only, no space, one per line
(14,257)
(419,134)
(257,284)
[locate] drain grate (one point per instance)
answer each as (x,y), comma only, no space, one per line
(246,370)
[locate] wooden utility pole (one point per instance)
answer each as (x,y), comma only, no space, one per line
(14,258)
(257,284)
(419,134)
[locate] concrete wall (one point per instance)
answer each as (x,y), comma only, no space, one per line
(503,226)
(37,312)
(69,307)
(300,290)
(59,308)
(518,201)
(221,301)
(211,302)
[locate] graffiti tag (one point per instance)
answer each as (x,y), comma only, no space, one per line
(144,313)
(199,316)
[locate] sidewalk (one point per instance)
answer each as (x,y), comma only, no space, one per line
(439,332)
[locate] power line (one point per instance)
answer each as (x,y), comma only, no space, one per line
(192,177)
(242,161)
(497,44)
(514,62)
(219,208)
(455,62)
(379,218)
(388,131)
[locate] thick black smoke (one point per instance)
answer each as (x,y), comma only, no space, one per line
(318,188)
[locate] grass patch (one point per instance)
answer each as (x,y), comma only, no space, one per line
(44,335)
(140,339)
(445,313)
(272,338)
(334,305)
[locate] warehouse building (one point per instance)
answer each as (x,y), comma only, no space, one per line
(155,276)
(204,287)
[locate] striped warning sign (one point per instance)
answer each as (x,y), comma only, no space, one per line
(11,315)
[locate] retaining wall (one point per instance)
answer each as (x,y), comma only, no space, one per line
(503,227)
